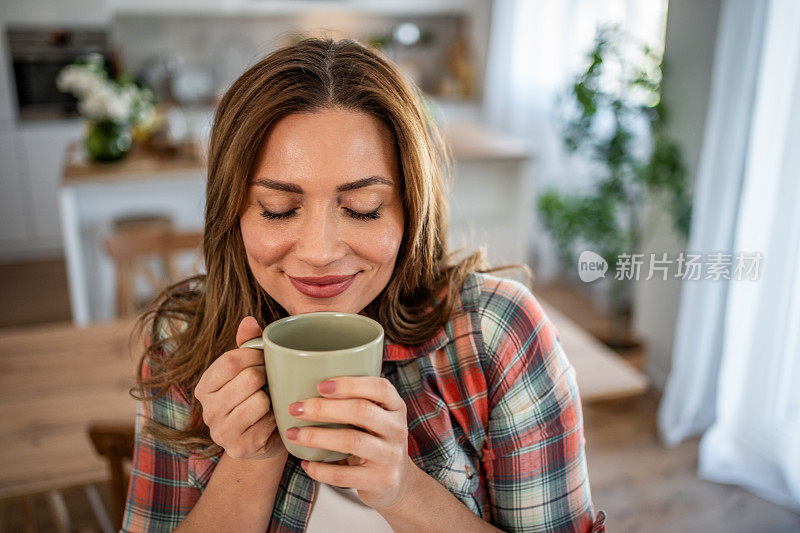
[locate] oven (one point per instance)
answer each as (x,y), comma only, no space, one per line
(37,56)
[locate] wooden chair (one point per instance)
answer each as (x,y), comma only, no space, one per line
(114,442)
(133,244)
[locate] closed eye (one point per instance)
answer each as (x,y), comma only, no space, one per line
(372,215)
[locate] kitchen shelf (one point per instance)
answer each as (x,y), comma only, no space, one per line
(287,7)
(139,164)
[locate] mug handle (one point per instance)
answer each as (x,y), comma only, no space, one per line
(258,344)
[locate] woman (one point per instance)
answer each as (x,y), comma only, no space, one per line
(323,163)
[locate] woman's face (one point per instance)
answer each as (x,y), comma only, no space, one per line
(324,201)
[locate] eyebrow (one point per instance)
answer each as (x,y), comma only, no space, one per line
(292,187)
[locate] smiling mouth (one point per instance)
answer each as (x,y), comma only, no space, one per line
(323,290)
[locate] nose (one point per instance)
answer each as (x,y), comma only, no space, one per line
(319,240)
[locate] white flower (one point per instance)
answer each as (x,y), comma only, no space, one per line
(118,107)
(79,80)
(102,98)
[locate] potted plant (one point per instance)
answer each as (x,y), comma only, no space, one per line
(613,114)
(114,109)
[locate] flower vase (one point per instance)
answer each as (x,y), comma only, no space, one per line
(107,141)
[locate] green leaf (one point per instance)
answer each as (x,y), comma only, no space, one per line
(586,98)
(625,180)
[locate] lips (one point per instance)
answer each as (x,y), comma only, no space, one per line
(323,287)
(324,280)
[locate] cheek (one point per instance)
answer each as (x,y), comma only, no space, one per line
(389,241)
(381,244)
(261,245)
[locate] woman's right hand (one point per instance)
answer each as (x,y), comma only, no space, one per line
(235,409)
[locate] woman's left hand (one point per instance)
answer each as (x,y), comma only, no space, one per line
(381,470)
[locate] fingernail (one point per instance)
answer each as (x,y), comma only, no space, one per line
(327,387)
(296,408)
(291,433)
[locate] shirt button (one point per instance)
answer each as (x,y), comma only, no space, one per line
(469,471)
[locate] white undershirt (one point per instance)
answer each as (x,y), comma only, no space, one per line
(337,509)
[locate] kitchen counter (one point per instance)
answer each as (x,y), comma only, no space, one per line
(139,163)
(470,141)
(92,195)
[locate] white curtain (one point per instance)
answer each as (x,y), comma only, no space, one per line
(536,48)
(735,375)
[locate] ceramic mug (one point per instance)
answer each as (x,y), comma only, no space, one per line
(302,350)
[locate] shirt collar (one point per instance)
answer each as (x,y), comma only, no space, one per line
(393,351)
(403,352)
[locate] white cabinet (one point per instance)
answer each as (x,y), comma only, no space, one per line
(8,108)
(491,204)
(489,208)
(43,147)
(88,210)
(31,155)
(31,152)
(14,218)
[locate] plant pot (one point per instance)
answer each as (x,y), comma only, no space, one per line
(620,308)
(107,141)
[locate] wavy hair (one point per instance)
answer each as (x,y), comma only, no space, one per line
(194,321)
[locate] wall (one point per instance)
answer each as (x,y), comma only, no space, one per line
(689,50)
(225,46)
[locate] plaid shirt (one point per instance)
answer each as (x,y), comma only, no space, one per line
(494,415)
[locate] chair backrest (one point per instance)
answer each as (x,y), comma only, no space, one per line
(115,443)
(132,247)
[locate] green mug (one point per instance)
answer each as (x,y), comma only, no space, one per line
(302,350)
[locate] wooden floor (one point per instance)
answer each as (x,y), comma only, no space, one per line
(644,486)
(33,293)
(641,485)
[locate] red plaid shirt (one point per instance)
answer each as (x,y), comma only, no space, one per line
(494,415)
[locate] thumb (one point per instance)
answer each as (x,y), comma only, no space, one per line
(248,329)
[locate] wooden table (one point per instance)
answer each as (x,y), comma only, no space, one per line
(601,373)
(54,381)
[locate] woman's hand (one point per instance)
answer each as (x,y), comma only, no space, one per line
(235,409)
(381,470)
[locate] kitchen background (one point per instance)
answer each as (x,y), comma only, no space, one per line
(188,52)
(490,71)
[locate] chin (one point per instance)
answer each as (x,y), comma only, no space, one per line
(316,307)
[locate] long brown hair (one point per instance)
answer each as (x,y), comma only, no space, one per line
(202,314)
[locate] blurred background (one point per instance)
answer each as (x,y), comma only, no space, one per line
(639,155)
